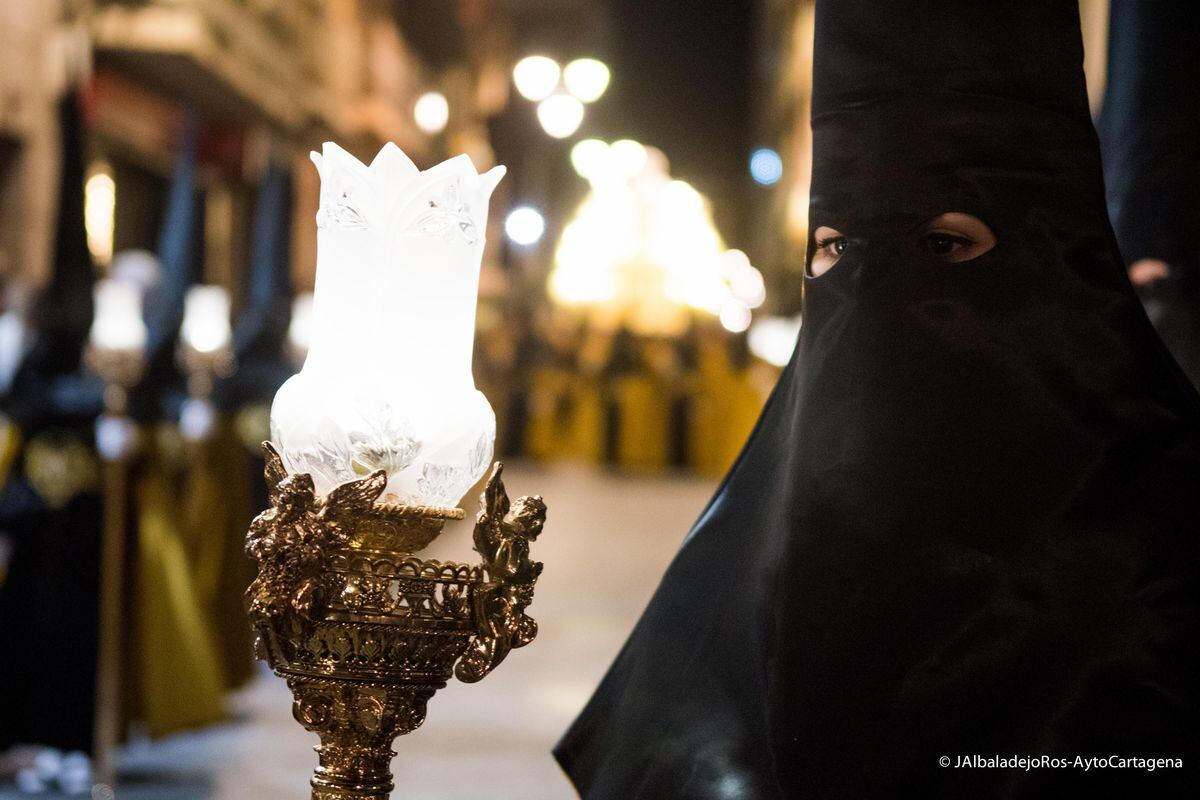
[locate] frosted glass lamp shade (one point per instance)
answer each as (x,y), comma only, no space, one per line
(387,380)
(206,319)
(300,327)
(117,325)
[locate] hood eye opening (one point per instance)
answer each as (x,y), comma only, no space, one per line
(955,237)
(829,244)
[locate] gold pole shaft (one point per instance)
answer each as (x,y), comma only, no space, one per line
(111,638)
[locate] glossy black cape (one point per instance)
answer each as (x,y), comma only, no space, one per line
(967,520)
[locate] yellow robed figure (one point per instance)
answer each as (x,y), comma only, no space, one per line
(181,682)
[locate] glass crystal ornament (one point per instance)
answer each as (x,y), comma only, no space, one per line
(387,381)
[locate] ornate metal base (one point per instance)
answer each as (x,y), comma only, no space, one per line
(357,723)
(364,631)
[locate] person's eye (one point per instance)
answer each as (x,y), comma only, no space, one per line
(955,236)
(835,246)
(830,244)
(946,244)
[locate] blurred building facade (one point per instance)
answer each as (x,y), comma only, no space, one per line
(258,74)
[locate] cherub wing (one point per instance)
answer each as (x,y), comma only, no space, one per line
(494,500)
(275,471)
(357,494)
(493,505)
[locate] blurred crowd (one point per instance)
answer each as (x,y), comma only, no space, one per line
(564,389)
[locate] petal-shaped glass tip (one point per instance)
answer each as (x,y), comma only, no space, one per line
(489,179)
(392,166)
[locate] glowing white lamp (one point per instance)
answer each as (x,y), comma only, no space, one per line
(560,115)
(536,77)
(117,325)
(586,79)
(206,320)
(387,381)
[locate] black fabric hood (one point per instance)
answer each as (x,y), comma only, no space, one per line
(966,522)
(260,334)
(180,250)
(49,388)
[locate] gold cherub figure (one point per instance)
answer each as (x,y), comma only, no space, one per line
(291,539)
(502,535)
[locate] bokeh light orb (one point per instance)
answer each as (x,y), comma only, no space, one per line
(536,77)
(766,167)
(431,112)
(735,317)
(588,157)
(626,158)
(560,115)
(586,79)
(524,225)
(774,338)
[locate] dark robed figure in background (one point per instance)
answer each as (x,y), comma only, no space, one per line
(50,502)
(1150,135)
(966,523)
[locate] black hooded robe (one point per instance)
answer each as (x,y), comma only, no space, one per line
(966,523)
(49,627)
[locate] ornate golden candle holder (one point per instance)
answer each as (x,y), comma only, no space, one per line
(365,631)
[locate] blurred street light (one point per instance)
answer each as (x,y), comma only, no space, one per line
(589,157)
(560,115)
(626,158)
(766,167)
(431,112)
(643,249)
(536,77)
(586,79)
(524,226)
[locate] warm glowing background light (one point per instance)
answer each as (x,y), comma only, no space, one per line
(560,115)
(536,77)
(586,78)
(431,112)
(642,248)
